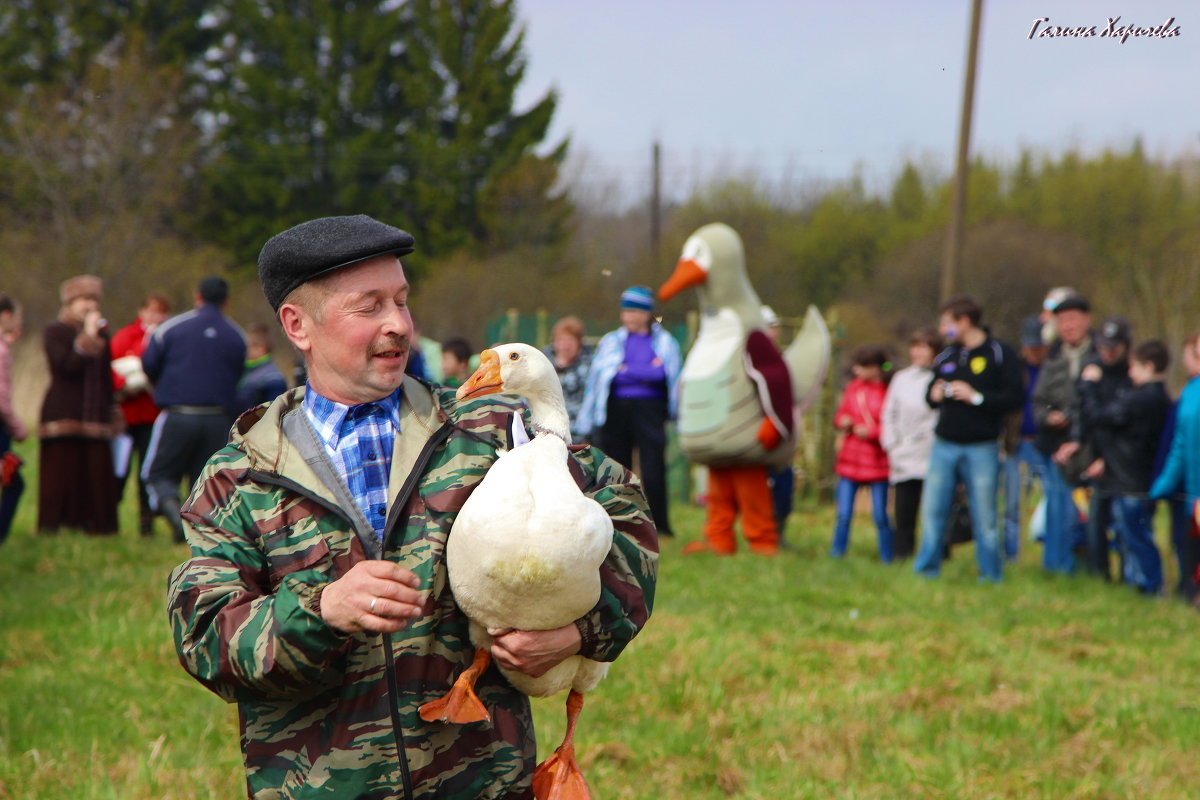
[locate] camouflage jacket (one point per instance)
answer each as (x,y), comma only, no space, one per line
(329,715)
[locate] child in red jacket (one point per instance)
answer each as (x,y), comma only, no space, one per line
(861,460)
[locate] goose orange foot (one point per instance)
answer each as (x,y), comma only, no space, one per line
(461,705)
(559,776)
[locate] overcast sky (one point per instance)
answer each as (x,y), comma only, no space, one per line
(798,89)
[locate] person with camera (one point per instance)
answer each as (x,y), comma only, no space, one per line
(977,381)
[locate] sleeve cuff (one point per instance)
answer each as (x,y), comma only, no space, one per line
(308,599)
(589,640)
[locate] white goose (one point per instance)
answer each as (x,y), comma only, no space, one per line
(525,553)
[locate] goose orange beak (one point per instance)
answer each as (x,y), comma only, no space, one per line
(687,274)
(485,380)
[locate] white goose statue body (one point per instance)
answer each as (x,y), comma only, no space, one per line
(736,393)
(525,553)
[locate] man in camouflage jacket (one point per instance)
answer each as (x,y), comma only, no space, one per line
(329,711)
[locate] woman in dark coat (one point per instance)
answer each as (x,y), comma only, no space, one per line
(77,487)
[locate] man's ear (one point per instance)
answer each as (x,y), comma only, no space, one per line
(297,326)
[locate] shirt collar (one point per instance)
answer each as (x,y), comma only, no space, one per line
(328,415)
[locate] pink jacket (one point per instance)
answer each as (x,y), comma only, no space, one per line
(862,458)
(8,418)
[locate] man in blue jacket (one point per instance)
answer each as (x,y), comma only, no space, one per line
(195,361)
(1179,479)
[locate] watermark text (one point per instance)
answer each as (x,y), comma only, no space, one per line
(1114,29)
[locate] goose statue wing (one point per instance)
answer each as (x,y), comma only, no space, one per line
(770,373)
(807,359)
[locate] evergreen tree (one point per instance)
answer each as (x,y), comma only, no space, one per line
(325,107)
(55,41)
(463,63)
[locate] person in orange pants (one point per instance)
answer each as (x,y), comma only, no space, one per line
(732,490)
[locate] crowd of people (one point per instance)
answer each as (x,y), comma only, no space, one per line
(157,397)
(953,441)
(1081,408)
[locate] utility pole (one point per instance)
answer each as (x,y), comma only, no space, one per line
(958,203)
(655,202)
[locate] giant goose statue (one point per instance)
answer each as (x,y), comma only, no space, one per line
(739,396)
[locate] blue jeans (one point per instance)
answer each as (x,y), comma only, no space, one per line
(978,466)
(9,495)
(1135,533)
(1062,523)
(845,492)
(1035,462)
(1099,546)
(783,486)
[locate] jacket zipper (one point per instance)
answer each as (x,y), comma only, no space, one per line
(410,482)
(397,727)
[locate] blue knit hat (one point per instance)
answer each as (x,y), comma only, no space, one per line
(638,297)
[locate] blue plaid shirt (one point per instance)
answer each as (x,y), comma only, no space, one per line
(359,440)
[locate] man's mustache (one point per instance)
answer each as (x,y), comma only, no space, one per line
(394,342)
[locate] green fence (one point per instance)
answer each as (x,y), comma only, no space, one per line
(814,457)
(534,329)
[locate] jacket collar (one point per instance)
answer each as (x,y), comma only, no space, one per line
(270,440)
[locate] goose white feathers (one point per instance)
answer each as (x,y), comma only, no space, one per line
(526,549)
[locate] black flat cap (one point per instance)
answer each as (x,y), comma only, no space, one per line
(320,246)
(1073,302)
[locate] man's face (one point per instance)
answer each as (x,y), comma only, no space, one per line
(1034,354)
(357,348)
(948,326)
(1112,353)
(1072,325)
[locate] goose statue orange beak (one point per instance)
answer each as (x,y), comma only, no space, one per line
(485,380)
(687,274)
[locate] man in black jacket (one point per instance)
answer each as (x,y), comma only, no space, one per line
(1103,378)
(1126,429)
(195,361)
(977,381)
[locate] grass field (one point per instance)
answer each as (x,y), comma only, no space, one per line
(794,677)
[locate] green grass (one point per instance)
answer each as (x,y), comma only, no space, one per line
(794,677)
